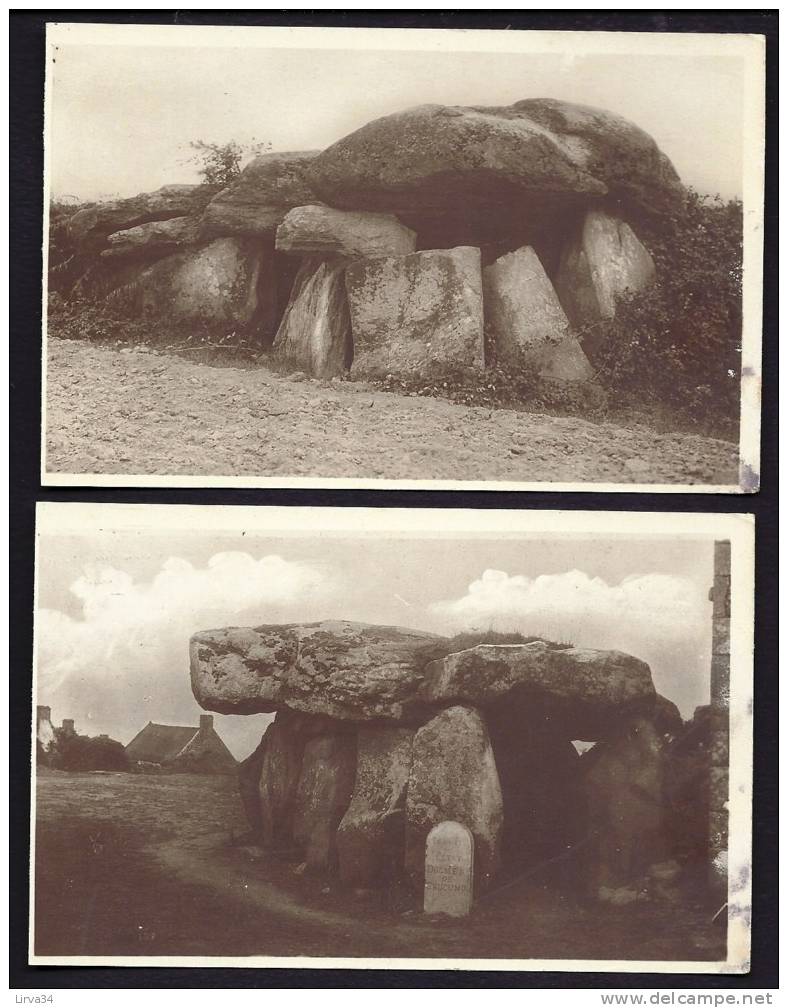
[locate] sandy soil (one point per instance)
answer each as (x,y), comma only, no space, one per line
(133,411)
(143,866)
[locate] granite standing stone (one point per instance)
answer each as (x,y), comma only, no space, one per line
(526,322)
(598,267)
(409,311)
(314,333)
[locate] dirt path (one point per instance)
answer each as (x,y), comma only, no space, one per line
(133,411)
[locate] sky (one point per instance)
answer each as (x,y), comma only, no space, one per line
(116,608)
(122,117)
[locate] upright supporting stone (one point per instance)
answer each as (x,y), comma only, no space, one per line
(526,322)
(324,789)
(413,310)
(282,751)
(448,870)
(453,776)
(371,836)
(602,263)
(720,596)
(227,282)
(314,333)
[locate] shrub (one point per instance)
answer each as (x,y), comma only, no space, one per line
(220,164)
(679,341)
(497,386)
(78,752)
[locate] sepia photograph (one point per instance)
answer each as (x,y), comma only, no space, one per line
(413,258)
(398,738)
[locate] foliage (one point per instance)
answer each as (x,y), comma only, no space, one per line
(470,638)
(220,164)
(679,341)
(497,386)
(100,322)
(62,264)
(78,752)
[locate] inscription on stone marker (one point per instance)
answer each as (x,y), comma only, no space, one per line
(448,870)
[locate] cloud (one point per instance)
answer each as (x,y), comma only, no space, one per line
(662,619)
(125,661)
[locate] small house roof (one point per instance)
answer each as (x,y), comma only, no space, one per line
(158,743)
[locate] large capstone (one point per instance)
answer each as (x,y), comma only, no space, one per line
(489,166)
(351,671)
(583,690)
(411,311)
(256,203)
(371,836)
(320,229)
(314,334)
(526,322)
(358,672)
(453,776)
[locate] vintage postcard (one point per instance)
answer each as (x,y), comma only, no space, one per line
(324,257)
(395,738)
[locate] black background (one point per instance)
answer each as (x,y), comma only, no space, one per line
(25,221)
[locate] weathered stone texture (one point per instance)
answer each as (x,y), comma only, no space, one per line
(358,672)
(371,836)
(249,772)
(599,266)
(324,789)
(152,240)
(314,333)
(257,202)
(280,771)
(526,322)
(432,159)
(585,690)
(217,284)
(320,229)
(89,228)
(408,311)
(351,671)
(453,776)
(624,790)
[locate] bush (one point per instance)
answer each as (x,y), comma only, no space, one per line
(679,341)
(497,386)
(78,752)
(220,164)
(99,322)
(62,263)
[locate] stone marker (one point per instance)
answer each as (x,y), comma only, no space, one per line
(448,870)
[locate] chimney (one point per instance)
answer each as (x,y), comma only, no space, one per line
(68,726)
(206,722)
(43,714)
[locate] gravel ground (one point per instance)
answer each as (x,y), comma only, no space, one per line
(134,411)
